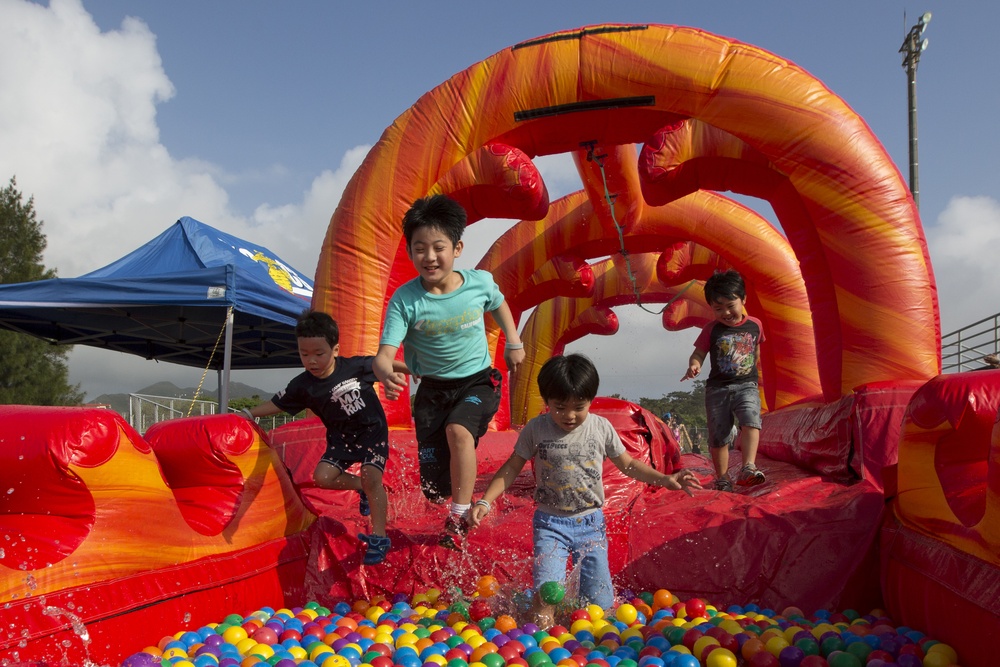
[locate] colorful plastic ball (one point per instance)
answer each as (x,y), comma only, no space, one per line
(814,661)
(763,659)
(791,656)
(626,613)
(141,659)
(487,586)
(552,592)
(721,657)
(695,607)
(843,659)
(685,660)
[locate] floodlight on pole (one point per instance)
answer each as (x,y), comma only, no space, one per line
(913,45)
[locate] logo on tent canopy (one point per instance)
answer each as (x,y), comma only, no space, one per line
(283,276)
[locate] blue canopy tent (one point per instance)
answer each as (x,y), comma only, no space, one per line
(193,296)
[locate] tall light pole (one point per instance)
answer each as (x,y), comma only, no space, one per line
(913,45)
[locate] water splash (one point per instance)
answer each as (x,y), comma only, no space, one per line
(79,629)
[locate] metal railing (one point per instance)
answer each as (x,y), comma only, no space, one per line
(145,410)
(964,349)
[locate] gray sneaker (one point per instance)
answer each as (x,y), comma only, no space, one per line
(750,476)
(723,484)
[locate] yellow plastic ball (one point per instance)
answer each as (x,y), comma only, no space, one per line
(634,631)
(774,645)
(945,650)
(245,645)
(320,650)
(721,657)
(335,661)
(432,594)
(263,650)
(701,643)
(595,612)
(626,613)
(234,635)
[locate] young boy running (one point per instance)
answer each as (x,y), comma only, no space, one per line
(339,390)
(438,319)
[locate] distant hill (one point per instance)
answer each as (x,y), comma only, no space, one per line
(119,402)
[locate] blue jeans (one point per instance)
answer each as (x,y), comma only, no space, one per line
(583,538)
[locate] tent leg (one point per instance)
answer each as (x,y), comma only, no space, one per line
(226,364)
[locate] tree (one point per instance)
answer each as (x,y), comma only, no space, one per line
(32,371)
(687,406)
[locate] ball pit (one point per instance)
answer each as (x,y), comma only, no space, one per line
(432,629)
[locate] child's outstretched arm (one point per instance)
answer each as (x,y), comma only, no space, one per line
(384,367)
(513,352)
(682,480)
(265,409)
(501,481)
(694,365)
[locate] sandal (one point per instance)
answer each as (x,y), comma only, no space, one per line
(378,547)
(363,507)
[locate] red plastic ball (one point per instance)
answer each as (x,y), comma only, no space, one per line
(695,607)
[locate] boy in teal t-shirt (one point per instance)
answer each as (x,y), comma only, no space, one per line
(438,319)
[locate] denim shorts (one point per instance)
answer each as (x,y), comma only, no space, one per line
(722,404)
(584,540)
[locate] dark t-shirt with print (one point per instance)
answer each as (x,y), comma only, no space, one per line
(731,350)
(346,401)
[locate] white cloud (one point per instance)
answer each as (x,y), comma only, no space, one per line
(964,246)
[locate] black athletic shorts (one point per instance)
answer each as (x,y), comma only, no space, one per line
(470,402)
(369,446)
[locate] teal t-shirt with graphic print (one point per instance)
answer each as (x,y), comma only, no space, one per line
(443,335)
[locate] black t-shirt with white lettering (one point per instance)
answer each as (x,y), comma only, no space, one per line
(346,401)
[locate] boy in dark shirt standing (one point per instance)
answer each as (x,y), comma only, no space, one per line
(733,341)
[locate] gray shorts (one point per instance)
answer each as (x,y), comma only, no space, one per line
(726,403)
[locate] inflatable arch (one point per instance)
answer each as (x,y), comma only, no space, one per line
(712,113)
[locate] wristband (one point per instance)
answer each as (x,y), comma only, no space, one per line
(513,346)
(483,503)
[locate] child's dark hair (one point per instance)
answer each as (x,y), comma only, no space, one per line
(316,324)
(726,285)
(439,211)
(568,377)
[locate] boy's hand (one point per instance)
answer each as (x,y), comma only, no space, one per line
(394,384)
(477,513)
(683,480)
(513,359)
(692,372)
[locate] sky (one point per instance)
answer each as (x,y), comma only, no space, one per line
(121,116)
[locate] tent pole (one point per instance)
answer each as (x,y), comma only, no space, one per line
(227,358)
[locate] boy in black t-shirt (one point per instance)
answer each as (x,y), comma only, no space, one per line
(339,391)
(732,342)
